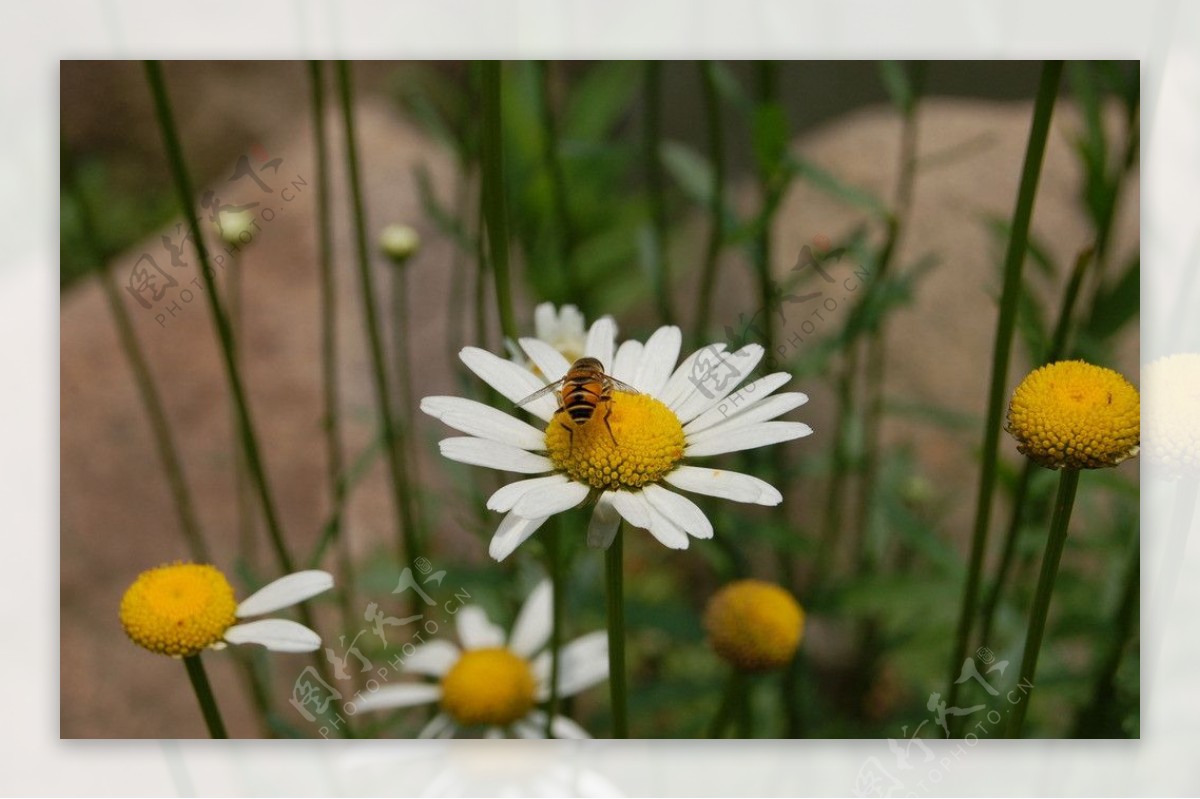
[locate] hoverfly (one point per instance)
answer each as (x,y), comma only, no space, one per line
(581,389)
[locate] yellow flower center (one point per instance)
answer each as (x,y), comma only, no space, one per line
(1075,415)
(754,625)
(628,442)
(488,686)
(178,610)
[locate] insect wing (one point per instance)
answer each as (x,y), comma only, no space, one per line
(541,392)
(617,385)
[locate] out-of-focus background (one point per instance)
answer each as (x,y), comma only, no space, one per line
(247,125)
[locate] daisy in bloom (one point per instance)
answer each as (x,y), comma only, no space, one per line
(563,329)
(494,684)
(633,446)
(184,608)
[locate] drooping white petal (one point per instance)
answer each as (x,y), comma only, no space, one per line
(404,694)
(743,399)
(582,663)
(683,380)
(638,511)
(494,455)
(602,528)
(278,635)
(601,341)
(285,592)
(625,362)
(684,513)
(507,496)
(475,629)
(740,438)
(512,532)
(632,507)
(659,355)
(719,483)
(715,379)
(549,500)
(668,533)
(436,726)
(530,730)
(760,412)
(484,421)
(512,380)
(549,360)
(560,727)
(532,627)
(434,658)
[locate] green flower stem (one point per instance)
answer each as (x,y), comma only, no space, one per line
(716,230)
(554,558)
(242,491)
(614,581)
(839,469)
(330,422)
(1005,325)
(1058,347)
(204,695)
(401,488)
(405,412)
(558,185)
(493,190)
(733,704)
(651,146)
(1068,481)
(160,428)
(183,186)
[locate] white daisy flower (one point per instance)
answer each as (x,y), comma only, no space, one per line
(633,447)
(562,328)
(494,684)
(182,609)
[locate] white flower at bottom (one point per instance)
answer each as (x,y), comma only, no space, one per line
(632,447)
(494,684)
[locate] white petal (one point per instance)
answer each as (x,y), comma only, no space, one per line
(684,513)
(530,730)
(507,496)
(475,629)
(766,410)
(632,507)
(658,360)
(494,455)
(561,727)
(513,381)
(433,659)
(278,635)
(740,438)
(638,511)
(494,734)
(668,533)
(285,592)
(743,399)
(601,341)
(714,378)
(484,421)
(733,486)
(532,627)
(549,360)
(436,726)
(545,321)
(512,532)
(680,383)
(404,694)
(548,500)
(625,363)
(602,528)
(570,322)
(582,664)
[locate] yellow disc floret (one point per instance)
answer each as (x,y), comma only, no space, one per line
(645,443)
(493,687)
(754,625)
(1074,415)
(178,610)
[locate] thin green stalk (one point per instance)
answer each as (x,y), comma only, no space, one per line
(1005,325)
(651,145)
(184,191)
(160,428)
(733,700)
(553,541)
(716,209)
(1058,346)
(839,471)
(401,488)
(405,405)
(493,196)
(330,423)
(565,234)
(204,695)
(615,595)
(1068,481)
(242,493)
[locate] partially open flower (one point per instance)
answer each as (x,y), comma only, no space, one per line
(184,608)
(236,226)
(754,625)
(399,243)
(1075,415)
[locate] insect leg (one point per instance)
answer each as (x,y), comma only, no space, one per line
(570,437)
(607,426)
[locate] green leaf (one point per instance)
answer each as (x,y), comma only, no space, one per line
(1117,305)
(599,100)
(690,170)
(851,195)
(769,134)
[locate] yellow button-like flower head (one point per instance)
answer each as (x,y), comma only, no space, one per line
(178,610)
(754,625)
